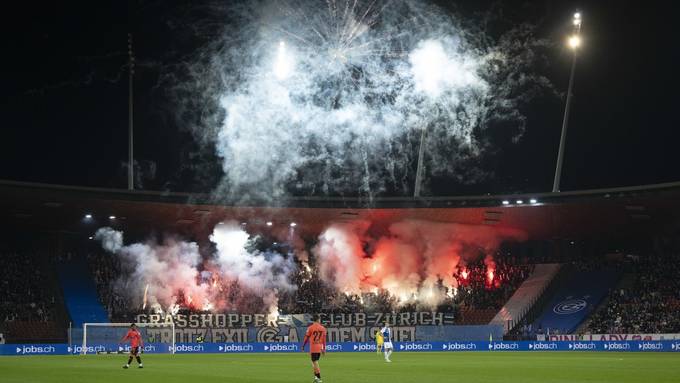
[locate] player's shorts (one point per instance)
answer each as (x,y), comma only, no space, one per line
(134,350)
(387,345)
(315,356)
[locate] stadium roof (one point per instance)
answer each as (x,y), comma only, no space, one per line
(564,215)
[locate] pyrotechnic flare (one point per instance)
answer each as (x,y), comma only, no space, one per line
(146,291)
(415,262)
(410,262)
(171,270)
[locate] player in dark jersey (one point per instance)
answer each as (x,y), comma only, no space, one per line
(135,338)
(316,336)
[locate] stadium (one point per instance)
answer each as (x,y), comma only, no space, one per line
(342,180)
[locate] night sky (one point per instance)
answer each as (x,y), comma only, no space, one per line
(65,87)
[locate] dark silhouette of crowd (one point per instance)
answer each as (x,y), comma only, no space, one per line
(24,295)
(105,270)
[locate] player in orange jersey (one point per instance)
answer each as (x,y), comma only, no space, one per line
(316,336)
(135,338)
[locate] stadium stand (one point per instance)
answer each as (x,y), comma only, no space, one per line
(648,301)
(30,305)
(80,294)
(104,269)
(526,296)
(477,300)
(577,298)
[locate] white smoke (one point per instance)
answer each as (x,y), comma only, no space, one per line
(112,241)
(339,255)
(261,272)
(165,271)
(329,97)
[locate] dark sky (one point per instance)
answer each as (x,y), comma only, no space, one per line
(64,98)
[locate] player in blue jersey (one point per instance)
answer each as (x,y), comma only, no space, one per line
(387,341)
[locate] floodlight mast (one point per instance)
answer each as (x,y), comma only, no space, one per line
(574,42)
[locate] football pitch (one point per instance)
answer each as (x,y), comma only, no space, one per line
(467,367)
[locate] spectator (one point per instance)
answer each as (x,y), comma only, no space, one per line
(649,304)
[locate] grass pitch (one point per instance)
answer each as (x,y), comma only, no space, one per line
(472,367)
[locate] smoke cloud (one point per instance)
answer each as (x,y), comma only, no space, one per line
(174,273)
(411,261)
(315,97)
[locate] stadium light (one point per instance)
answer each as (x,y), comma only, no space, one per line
(112,217)
(533,201)
(519,201)
(88,216)
(90,238)
(293,224)
(269,223)
(574,43)
(577,19)
(506,202)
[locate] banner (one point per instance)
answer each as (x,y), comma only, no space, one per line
(422,318)
(284,347)
(606,337)
(257,328)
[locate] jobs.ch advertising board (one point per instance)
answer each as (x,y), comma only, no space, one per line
(242,333)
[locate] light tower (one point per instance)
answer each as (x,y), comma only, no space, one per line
(574,42)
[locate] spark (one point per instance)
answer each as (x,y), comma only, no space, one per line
(283,66)
(146,291)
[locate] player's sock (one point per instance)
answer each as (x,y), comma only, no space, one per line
(139,360)
(129,360)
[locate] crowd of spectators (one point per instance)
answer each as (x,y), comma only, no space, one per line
(105,270)
(650,301)
(477,289)
(24,294)
(483,288)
